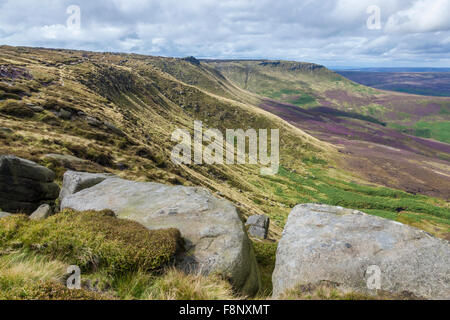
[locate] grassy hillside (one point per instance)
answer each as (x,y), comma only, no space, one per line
(116,112)
(309,85)
(374,130)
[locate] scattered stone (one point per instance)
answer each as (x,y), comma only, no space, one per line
(258,226)
(351,249)
(93,122)
(4,214)
(64,114)
(121,166)
(63,157)
(74,182)
(34,107)
(25,185)
(37,109)
(114,129)
(215,238)
(41,213)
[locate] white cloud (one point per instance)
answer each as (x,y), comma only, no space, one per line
(328,31)
(422,16)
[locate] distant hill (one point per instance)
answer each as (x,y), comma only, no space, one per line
(395,70)
(423,82)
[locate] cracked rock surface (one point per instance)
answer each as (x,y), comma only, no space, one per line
(349,247)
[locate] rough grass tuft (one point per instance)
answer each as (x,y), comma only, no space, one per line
(176,285)
(16,109)
(93,240)
(50,291)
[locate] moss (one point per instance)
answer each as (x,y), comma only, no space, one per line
(47,290)
(7,95)
(93,240)
(265,252)
(16,109)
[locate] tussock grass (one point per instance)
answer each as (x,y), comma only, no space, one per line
(176,285)
(16,108)
(28,276)
(93,240)
(26,266)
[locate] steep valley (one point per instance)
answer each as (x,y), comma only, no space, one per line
(116,113)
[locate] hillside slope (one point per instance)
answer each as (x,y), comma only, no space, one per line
(308,85)
(367,125)
(116,113)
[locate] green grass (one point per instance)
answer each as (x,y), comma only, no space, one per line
(302,100)
(265,252)
(92,241)
(436,130)
(439,131)
(290,189)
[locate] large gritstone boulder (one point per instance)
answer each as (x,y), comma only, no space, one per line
(361,253)
(215,237)
(74,182)
(25,185)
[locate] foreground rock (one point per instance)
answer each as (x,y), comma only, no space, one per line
(25,185)
(348,247)
(41,213)
(258,226)
(74,181)
(215,237)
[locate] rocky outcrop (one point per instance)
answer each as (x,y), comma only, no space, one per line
(258,226)
(361,253)
(25,185)
(74,182)
(214,235)
(41,213)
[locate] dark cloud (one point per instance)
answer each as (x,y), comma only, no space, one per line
(413,33)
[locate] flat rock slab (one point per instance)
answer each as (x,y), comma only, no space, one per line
(351,248)
(215,237)
(74,181)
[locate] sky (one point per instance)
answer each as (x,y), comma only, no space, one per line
(350,33)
